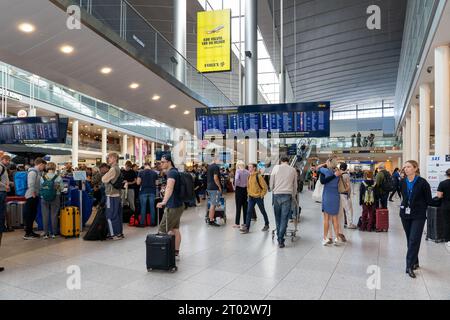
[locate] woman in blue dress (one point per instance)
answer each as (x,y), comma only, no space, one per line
(329,175)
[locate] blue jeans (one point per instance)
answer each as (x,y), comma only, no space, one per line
(143,197)
(2,211)
(252,202)
(114,216)
(282,204)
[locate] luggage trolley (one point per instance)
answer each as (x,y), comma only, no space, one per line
(293,223)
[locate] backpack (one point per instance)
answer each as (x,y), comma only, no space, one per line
(48,190)
(387,185)
(368,198)
(187,192)
(21,182)
(118,184)
(342,186)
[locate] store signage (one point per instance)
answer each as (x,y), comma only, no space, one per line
(437,166)
(22,114)
(10,94)
(214,41)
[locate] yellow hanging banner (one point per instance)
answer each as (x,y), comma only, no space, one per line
(214,41)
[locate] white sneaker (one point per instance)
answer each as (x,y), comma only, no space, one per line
(448,244)
(45,237)
(325,242)
(53,236)
(338,241)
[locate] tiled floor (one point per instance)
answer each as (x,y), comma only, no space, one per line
(220,263)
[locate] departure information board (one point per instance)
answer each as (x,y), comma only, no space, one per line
(289,120)
(32,130)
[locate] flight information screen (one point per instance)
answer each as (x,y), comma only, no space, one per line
(288,120)
(31,130)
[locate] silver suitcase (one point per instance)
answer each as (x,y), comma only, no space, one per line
(14,214)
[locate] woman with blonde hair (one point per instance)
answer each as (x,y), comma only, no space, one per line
(329,177)
(240,186)
(416,194)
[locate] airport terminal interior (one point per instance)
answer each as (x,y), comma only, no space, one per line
(225,150)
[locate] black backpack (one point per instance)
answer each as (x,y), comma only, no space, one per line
(387,184)
(187,192)
(118,184)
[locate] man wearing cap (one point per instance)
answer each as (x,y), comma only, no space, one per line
(170,222)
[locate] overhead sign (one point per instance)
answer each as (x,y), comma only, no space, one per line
(22,114)
(214,41)
(288,120)
(10,94)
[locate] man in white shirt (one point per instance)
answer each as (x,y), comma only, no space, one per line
(283,184)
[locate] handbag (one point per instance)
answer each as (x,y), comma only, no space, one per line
(318,192)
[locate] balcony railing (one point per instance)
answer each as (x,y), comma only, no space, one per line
(147,44)
(333,144)
(25,83)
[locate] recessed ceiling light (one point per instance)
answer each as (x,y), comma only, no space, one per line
(134,85)
(66,49)
(156,97)
(110,132)
(187,112)
(431,107)
(173,106)
(106,70)
(27,27)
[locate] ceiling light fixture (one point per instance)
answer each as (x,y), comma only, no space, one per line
(27,27)
(134,85)
(156,97)
(187,112)
(106,70)
(173,106)
(431,107)
(67,49)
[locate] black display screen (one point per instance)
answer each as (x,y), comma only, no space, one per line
(33,130)
(289,120)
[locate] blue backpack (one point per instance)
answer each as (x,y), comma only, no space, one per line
(20,183)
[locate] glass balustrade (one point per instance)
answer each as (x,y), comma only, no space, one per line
(147,44)
(29,85)
(332,144)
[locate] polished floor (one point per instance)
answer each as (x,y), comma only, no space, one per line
(220,263)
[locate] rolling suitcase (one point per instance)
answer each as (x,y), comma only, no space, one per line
(436,225)
(70,222)
(160,251)
(220,210)
(382,220)
(14,214)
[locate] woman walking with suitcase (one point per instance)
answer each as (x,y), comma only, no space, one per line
(416,195)
(443,192)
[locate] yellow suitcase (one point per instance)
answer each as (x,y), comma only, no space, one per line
(70,222)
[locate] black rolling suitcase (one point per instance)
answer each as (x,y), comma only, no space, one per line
(98,231)
(436,225)
(161,252)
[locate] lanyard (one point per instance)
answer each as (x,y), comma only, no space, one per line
(410,187)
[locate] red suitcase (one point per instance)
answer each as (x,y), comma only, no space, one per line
(382,220)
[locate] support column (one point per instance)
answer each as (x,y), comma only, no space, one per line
(75,135)
(124,146)
(251,67)
(282,72)
(407,139)
(104,144)
(424,150)
(141,152)
(180,38)
(153,154)
(414,132)
(399,163)
(442,101)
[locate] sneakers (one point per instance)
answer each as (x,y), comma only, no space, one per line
(338,241)
(342,237)
(53,236)
(31,236)
(326,242)
(236,226)
(121,236)
(281,245)
(116,238)
(244,230)
(266,228)
(213,223)
(352,227)
(45,237)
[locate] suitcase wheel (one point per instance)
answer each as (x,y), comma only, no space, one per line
(149,270)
